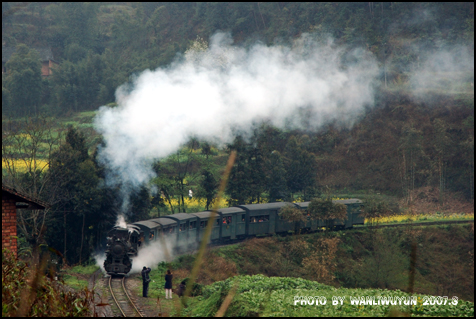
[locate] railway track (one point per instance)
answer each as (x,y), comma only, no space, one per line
(126,306)
(416,224)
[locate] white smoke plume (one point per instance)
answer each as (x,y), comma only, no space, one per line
(100,258)
(151,255)
(121,221)
(208,94)
(446,70)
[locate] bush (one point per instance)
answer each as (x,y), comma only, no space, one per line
(27,291)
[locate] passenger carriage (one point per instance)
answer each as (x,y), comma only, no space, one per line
(261,218)
(186,230)
(233,223)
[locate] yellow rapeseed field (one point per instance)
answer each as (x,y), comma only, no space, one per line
(423,217)
(195,203)
(21,165)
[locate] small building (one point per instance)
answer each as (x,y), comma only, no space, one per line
(45,54)
(11,201)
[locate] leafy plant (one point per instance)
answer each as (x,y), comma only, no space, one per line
(27,291)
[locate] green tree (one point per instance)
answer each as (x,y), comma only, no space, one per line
(256,174)
(238,182)
(411,149)
(293,215)
(300,168)
(78,199)
(140,205)
(6,104)
(67,88)
(326,210)
(208,188)
(165,185)
(23,81)
(468,151)
(441,144)
(27,147)
(375,208)
(276,177)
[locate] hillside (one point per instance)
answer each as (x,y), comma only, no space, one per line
(99,46)
(378,100)
(262,276)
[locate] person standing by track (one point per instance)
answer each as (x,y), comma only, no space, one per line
(168,285)
(145,281)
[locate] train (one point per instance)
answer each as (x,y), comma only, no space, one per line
(122,244)
(183,231)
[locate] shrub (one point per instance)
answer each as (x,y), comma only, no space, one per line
(27,291)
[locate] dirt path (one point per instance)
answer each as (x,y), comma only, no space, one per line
(151,306)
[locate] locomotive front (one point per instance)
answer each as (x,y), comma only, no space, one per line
(122,245)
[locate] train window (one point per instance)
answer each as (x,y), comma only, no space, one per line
(228,220)
(182,227)
(193,225)
(218,222)
(243,218)
(151,236)
(224,220)
(259,219)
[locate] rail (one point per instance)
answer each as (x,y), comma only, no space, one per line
(119,299)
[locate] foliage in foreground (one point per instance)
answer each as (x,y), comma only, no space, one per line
(27,291)
(274,296)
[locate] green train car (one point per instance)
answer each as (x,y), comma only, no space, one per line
(183,232)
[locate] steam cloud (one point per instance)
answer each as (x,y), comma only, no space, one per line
(151,255)
(449,70)
(210,93)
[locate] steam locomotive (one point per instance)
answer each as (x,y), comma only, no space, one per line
(184,231)
(122,246)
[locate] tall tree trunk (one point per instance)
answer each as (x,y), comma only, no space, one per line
(181,196)
(82,240)
(256,21)
(259,10)
(65,244)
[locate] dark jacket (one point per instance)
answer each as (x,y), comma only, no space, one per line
(168,281)
(145,275)
(181,289)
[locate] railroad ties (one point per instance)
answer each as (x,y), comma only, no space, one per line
(127,308)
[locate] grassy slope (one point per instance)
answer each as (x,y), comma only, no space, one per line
(263,296)
(272,294)
(77,277)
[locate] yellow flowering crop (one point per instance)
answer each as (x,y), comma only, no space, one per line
(195,203)
(22,166)
(423,217)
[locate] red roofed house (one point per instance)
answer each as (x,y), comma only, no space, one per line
(11,201)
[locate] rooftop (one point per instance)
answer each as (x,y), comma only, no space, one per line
(33,203)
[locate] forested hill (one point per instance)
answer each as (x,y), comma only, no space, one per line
(100,45)
(412,137)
